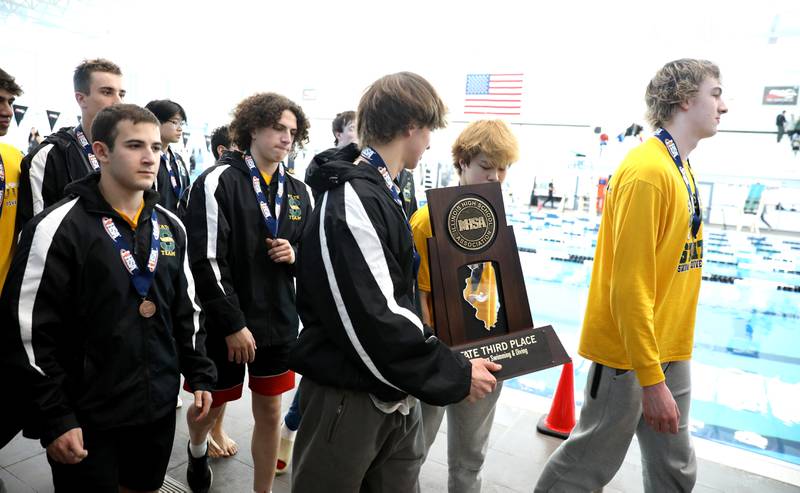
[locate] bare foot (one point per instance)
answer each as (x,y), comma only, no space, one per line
(221,445)
(214,450)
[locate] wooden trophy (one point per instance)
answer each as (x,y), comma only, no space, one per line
(480,304)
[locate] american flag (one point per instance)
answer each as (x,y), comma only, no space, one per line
(493,94)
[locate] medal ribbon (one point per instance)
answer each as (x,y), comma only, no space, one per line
(694,198)
(255,175)
(376,161)
(87,147)
(141,279)
(174,178)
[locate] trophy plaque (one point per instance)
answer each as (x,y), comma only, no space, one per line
(480,304)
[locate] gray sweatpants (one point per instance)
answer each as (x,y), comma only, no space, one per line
(468,428)
(345,444)
(595,450)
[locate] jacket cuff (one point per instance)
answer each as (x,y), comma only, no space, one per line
(292,268)
(224,315)
(467,379)
(56,427)
(650,375)
(201,385)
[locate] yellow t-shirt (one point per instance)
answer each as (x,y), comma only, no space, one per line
(267,179)
(647,270)
(8,217)
(132,221)
(483,296)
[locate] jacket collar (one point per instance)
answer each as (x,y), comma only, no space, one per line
(89,192)
(235,159)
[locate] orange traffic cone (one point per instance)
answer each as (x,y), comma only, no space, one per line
(561,418)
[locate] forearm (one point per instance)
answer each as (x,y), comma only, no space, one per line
(425,302)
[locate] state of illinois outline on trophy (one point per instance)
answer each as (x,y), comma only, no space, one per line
(480,304)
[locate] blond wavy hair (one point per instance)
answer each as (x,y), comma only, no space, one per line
(493,138)
(676,82)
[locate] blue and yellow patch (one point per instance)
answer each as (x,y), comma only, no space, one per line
(295,213)
(166,240)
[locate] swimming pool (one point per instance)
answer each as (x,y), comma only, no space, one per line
(746,360)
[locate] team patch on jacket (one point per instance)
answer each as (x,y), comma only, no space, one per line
(295,213)
(166,240)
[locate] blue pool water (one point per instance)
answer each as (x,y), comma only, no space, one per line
(746,360)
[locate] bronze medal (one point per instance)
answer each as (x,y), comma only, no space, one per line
(147,309)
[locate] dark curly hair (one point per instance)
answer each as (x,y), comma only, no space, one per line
(264,110)
(7,83)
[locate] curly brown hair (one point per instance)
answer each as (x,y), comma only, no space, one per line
(676,82)
(7,83)
(393,104)
(264,110)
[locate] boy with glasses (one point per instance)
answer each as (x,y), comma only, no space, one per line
(173,175)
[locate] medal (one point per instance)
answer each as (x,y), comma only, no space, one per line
(147,309)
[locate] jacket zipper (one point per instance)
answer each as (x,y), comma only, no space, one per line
(143,323)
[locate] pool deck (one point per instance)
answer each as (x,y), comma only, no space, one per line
(517,454)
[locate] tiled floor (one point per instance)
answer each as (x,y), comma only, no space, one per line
(516,456)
